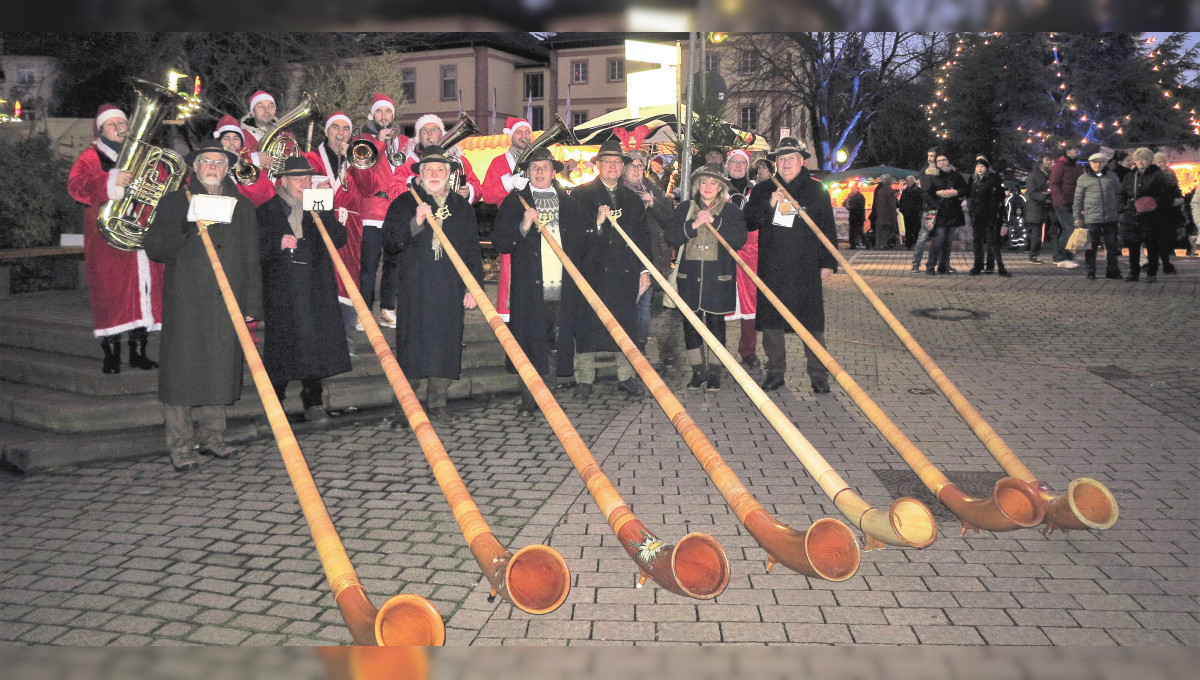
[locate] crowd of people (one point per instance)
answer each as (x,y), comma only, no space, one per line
(283,276)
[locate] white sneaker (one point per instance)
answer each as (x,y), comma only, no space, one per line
(387,317)
(358,326)
(1068,264)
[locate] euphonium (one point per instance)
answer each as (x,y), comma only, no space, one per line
(279,144)
(465,127)
(123,222)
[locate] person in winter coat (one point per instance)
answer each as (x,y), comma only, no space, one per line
(1063,175)
(303,339)
(856,205)
(1038,209)
(1174,224)
(946,191)
(706,269)
(432,296)
(1097,207)
(912,205)
(884,214)
(658,214)
(124,286)
(1148,196)
(538,277)
(929,209)
(986,196)
(737,169)
(792,261)
(201,356)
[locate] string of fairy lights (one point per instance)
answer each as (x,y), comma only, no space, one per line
(1069,108)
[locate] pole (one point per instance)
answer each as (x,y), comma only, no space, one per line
(686,151)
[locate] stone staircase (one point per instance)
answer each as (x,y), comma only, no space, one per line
(58,409)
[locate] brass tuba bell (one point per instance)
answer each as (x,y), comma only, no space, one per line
(463,128)
(156,171)
(280,144)
(559,133)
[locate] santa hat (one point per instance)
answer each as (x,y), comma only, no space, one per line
(104,113)
(381,99)
(338,116)
(511,125)
(737,152)
(229,124)
(429,118)
(260,96)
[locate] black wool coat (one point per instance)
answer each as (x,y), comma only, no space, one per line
(790,259)
(706,269)
(1136,226)
(200,357)
(986,196)
(303,337)
(429,309)
(527,313)
(612,269)
(949,210)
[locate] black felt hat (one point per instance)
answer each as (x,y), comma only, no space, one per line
(212,146)
(542,154)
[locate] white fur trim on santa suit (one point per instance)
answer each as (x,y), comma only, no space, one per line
(514,123)
(737,152)
(109,115)
(429,118)
(260,96)
(230,128)
(327,175)
(115,193)
(339,116)
(379,102)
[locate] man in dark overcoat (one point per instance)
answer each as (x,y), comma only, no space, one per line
(538,277)
(946,191)
(792,261)
(613,271)
(303,339)
(429,313)
(201,359)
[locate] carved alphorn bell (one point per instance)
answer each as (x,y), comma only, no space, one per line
(1087,504)
(696,566)
(535,579)
(825,550)
(1013,504)
(403,619)
(906,523)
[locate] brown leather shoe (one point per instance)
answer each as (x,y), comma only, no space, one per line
(441,414)
(219,449)
(184,460)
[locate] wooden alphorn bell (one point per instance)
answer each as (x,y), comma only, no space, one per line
(403,619)
(906,523)
(535,579)
(1087,504)
(696,566)
(825,550)
(1013,504)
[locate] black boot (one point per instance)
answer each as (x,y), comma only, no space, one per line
(112,353)
(714,381)
(698,377)
(137,350)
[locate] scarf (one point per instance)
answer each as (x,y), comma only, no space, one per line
(295,212)
(115,146)
(552,268)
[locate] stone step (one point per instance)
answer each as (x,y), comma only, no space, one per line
(70,373)
(51,410)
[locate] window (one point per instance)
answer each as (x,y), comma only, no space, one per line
(712,62)
(27,76)
(535,84)
(747,62)
(408,84)
(616,70)
(785,118)
(538,120)
(579,71)
(449,83)
(579,118)
(749,117)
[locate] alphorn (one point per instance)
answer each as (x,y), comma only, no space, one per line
(827,549)
(906,523)
(1087,504)
(404,619)
(535,579)
(1013,504)
(696,566)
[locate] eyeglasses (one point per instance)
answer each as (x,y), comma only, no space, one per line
(637,165)
(220,163)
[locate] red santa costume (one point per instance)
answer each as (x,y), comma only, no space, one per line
(747,292)
(256,132)
(411,154)
(499,180)
(125,286)
(374,208)
(263,189)
(349,186)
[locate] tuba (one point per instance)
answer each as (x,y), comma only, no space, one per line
(278,143)
(156,171)
(465,127)
(559,133)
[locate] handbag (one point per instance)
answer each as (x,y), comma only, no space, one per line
(667,301)
(1145,204)
(1079,240)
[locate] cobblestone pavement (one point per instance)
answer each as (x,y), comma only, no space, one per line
(1081,378)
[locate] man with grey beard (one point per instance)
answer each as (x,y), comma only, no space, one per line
(201,359)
